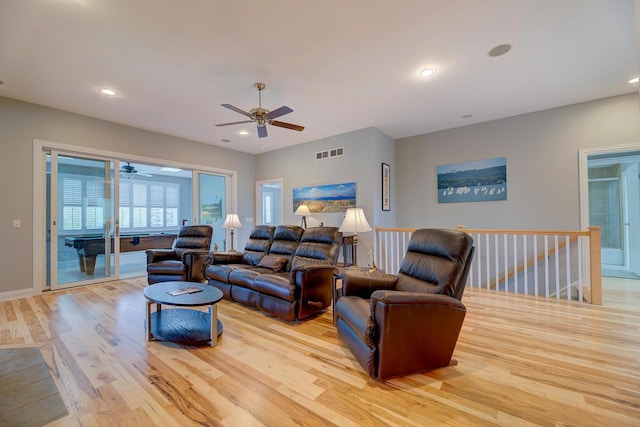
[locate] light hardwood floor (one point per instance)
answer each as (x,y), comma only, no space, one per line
(521,361)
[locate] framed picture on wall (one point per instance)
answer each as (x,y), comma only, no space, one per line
(386,184)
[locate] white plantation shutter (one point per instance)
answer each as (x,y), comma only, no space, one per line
(171,202)
(141,204)
(71,204)
(125,204)
(94,210)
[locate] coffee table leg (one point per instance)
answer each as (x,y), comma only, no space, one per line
(213,316)
(149,321)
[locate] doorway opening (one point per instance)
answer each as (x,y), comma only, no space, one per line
(269,202)
(613,203)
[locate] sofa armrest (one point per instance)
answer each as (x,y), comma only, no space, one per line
(363,283)
(314,286)
(196,262)
(226,257)
(155,255)
(414,332)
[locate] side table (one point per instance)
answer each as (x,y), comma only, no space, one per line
(339,275)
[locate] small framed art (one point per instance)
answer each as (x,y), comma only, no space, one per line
(386,185)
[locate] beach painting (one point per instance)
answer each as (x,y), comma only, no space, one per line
(479,181)
(326,198)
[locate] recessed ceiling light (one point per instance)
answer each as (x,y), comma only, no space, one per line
(500,50)
(636,80)
(167,169)
(109,92)
(244,132)
(429,71)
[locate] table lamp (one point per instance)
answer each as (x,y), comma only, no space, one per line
(355,222)
(232,221)
(303,211)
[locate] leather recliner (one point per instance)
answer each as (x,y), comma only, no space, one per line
(306,289)
(186,260)
(223,263)
(402,324)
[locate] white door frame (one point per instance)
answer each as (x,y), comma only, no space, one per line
(39,192)
(583,171)
(259,190)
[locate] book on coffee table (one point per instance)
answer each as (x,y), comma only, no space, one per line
(187,290)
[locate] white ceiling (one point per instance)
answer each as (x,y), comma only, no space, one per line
(341,65)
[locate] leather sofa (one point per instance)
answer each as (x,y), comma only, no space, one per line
(186,260)
(289,277)
(402,324)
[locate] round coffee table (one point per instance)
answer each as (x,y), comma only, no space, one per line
(180,324)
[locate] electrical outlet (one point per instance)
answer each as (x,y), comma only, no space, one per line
(248,219)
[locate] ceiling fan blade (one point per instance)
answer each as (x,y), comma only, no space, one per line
(278,112)
(236,109)
(234,123)
(262,131)
(287,125)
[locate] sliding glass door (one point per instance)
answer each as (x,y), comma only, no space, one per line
(81,220)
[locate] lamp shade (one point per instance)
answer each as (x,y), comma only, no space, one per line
(302,210)
(232,221)
(355,221)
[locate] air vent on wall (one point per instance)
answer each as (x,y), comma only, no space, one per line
(334,152)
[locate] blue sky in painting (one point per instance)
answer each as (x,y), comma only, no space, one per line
(332,191)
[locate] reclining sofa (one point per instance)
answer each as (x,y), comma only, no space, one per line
(284,271)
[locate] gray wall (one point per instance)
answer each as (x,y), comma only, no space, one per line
(21,123)
(541,150)
(364,151)
(542,165)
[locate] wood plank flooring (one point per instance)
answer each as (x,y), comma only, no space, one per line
(521,361)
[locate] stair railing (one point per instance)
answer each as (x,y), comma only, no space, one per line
(556,264)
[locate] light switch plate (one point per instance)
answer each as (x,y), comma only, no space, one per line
(17,223)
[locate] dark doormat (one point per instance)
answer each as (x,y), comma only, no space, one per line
(28,395)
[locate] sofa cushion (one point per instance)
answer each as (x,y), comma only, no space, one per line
(244,276)
(319,245)
(274,262)
(285,242)
(220,272)
(167,267)
(276,284)
(258,244)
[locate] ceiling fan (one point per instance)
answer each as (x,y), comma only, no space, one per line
(128,171)
(262,116)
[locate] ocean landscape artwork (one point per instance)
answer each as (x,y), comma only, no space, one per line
(478,181)
(326,198)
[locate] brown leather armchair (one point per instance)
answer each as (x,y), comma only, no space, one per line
(186,260)
(404,324)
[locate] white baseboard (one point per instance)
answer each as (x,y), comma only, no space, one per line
(11,295)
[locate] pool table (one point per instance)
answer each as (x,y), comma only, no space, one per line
(89,247)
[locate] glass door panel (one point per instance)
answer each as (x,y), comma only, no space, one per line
(82,220)
(211,199)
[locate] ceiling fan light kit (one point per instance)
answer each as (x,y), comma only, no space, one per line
(261,116)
